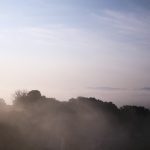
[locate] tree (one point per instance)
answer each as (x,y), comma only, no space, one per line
(2,102)
(20,97)
(34,95)
(25,98)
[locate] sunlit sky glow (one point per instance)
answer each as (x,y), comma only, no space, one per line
(70,48)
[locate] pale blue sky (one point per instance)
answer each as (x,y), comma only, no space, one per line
(69,48)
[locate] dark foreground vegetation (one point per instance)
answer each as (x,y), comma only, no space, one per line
(35,122)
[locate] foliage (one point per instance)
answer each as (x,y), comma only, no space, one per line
(35,122)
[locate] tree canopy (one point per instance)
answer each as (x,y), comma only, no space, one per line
(35,122)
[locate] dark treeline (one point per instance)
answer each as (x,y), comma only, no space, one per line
(35,122)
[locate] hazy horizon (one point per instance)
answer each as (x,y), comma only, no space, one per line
(66,48)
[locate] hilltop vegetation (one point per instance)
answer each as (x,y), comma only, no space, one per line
(35,122)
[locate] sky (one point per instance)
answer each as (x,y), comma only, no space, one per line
(70,48)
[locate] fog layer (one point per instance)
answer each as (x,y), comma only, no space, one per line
(35,122)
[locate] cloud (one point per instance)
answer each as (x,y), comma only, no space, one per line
(145,89)
(104,88)
(132,26)
(52,51)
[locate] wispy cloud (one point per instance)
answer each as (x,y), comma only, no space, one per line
(127,25)
(145,89)
(105,88)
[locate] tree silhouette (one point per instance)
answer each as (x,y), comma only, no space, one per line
(35,122)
